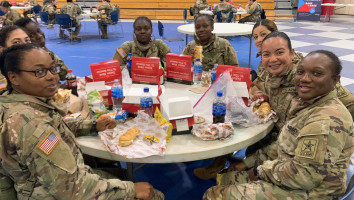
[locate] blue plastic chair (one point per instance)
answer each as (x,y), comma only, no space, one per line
(115,16)
(64,21)
(1,13)
(36,12)
(219,17)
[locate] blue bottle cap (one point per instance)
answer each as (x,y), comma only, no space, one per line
(198,59)
(130,54)
(219,93)
(146,89)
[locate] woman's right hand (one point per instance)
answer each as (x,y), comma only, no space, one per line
(237,166)
(259,95)
(143,190)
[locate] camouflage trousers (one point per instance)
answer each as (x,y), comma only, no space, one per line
(236,185)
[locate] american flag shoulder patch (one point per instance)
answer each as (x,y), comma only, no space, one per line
(49,143)
(122,53)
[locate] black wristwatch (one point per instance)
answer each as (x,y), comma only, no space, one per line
(93,128)
(255,172)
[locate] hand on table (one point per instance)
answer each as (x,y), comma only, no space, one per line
(143,190)
(251,175)
(259,95)
(237,166)
(106,122)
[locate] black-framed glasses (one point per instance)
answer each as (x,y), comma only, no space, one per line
(39,73)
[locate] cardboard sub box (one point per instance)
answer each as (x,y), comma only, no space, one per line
(131,102)
(179,112)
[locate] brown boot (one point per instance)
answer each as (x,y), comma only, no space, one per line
(210,171)
(62,35)
(104,32)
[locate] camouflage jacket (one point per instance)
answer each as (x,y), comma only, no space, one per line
(346,98)
(108,8)
(225,9)
(51,9)
(156,48)
(198,6)
(314,148)
(33,2)
(60,63)
(73,10)
(254,11)
(217,51)
(37,145)
(11,17)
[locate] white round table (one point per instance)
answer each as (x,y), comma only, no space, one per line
(223,29)
(182,148)
(206,12)
(21,7)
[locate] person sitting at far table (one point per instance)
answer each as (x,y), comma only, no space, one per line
(225,9)
(253,8)
(216,50)
(73,10)
(51,8)
(11,16)
(198,6)
(30,11)
(40,158)
(313,148)
(106,9)
(37,37)
(142,44)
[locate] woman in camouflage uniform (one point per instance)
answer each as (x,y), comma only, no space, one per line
(253,8)
(11,16)
(37,37)
(142,45)
(216,50)
(198,6)
(314,147)
(73,10)
(40,157)
(106,10)
(51,8)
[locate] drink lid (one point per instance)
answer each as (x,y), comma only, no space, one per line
(146,89)
(198,59)
(115,80)
(130,54)
(219,93)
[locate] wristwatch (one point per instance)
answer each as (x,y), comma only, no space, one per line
(93,128)
(255,171)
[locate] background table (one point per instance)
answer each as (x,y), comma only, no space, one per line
(21,7)
(223,29)
(182,148)
(328,5)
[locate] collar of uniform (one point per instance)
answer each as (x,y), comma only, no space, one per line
(142,47)
(297,104)
(210,45)
(285,77)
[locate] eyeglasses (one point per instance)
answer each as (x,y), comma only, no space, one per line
(40,73)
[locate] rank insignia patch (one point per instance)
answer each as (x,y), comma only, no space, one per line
(49,143)
(308,148)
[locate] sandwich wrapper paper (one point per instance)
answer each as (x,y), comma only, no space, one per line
(139,148)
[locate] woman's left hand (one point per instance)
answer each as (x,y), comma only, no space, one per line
(251,175)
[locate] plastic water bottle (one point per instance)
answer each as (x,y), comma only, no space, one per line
(197,72)
(239,6)
(146,102)
(117,95)
(129,63)
(71,82)
(219,108)
(213,73)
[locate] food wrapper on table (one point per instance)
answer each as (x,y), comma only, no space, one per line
(145,143)
(209,131)
(96,103)
(164,124)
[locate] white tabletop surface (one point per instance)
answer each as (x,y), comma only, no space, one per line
(209,12)
(183,148)
(336,4)
(88,15)
(221,29)
(21,7)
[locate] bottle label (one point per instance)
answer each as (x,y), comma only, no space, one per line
(129,64)
(198,69)
(117,92)
(219,109)
(146,102)
(213,76)
(71,83)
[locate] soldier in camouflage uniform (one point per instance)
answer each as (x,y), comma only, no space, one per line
(225,9)
(51,8)
(253,8)
(105,9)
(37,37)
(11,16)
(73,10)
(142,45)
(314,147)
(215,50)
(198,6)
(39,156)
(31,3)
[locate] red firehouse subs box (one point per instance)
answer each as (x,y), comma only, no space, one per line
(241,78)
(147,70)
(181,119)
(178,68)
(105,71)
(131,102)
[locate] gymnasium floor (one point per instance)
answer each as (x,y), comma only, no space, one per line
(177,180)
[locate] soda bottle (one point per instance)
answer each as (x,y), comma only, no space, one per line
(71,82)
(117,95)
(146,102)
(219,108)
(213,73)
(129,63)
(197,72)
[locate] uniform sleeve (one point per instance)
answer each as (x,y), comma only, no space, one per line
(64,175)
(78,10)
(268,152)
(163,50)
(101,7)
(79,126)
(62,65)
(231,57)
(123,51)
(319,147)
(7,189)
(187,49)
(252,9)
(51,10)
